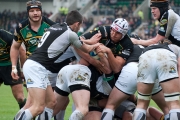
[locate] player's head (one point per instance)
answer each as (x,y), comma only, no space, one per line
(33,4)
(162,5)
(34,10)
(119,28)
(74,19)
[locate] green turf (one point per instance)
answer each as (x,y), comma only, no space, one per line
(9,106)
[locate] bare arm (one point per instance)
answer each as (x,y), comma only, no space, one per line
(22,53)
(90,60)
(93,40)
(148,42)
(116,63)
(14,54)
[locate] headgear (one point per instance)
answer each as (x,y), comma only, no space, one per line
(33,4)
(163,5)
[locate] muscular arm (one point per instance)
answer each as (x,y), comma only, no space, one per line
(14,52)
(90,60)
(22,54)
(148,42)
(116,63)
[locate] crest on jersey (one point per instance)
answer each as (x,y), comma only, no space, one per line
(28,35)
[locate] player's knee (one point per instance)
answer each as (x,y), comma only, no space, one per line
(83,109)
(38,110)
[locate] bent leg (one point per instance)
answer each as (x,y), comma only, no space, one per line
(81,101)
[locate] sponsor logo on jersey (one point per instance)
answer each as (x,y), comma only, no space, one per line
(161,29)
(172,69)
(29,81)
(163,22)
(126,52)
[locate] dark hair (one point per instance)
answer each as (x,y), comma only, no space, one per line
(73,16)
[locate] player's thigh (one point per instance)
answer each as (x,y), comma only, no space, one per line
(127,80)
(36,75)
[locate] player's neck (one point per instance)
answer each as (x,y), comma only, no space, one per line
(35,25)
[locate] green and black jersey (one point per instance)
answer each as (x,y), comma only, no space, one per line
(6,39)
(29,37)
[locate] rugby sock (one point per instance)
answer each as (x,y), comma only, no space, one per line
(19,113)
(76,115)
(174,114)
(21,104)
(26,115)
(166,117)
(107,114)
(60,115)
(139,114)
(45,115)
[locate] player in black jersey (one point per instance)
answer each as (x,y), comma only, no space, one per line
(169,24)
(47,57)
(6,39)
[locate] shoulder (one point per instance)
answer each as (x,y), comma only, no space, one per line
(22,24)
(48,21)
(73,35)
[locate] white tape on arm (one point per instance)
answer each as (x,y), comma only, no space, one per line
(14,69)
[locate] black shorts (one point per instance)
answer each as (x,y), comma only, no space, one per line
(5,76)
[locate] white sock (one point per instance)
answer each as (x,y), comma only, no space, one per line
(139,114)
(45,115)
(26,115)
(19,113)
(76,115)
(107,114)
(174,114)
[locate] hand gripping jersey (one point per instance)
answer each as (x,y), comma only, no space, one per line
(169,26)
(6,39)
(29,37)
(123,48)
(53,45)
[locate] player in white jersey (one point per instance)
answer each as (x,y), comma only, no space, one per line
(169,24)
(158,63)
(53,43)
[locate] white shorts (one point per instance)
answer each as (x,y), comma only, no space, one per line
(156,64)
(73,75)
(127,80)
(35,74)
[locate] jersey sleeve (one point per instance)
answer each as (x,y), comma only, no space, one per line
(163,25)
(104,30)
(6,36)
(74,39)
(17,35)
(127,48)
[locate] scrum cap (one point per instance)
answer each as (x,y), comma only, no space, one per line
(33,4)
(159,3)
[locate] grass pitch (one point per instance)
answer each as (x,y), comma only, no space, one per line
(9,106)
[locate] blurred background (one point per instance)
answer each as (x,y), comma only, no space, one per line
(95,12)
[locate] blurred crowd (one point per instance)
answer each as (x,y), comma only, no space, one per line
(9,20)
(111,10)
